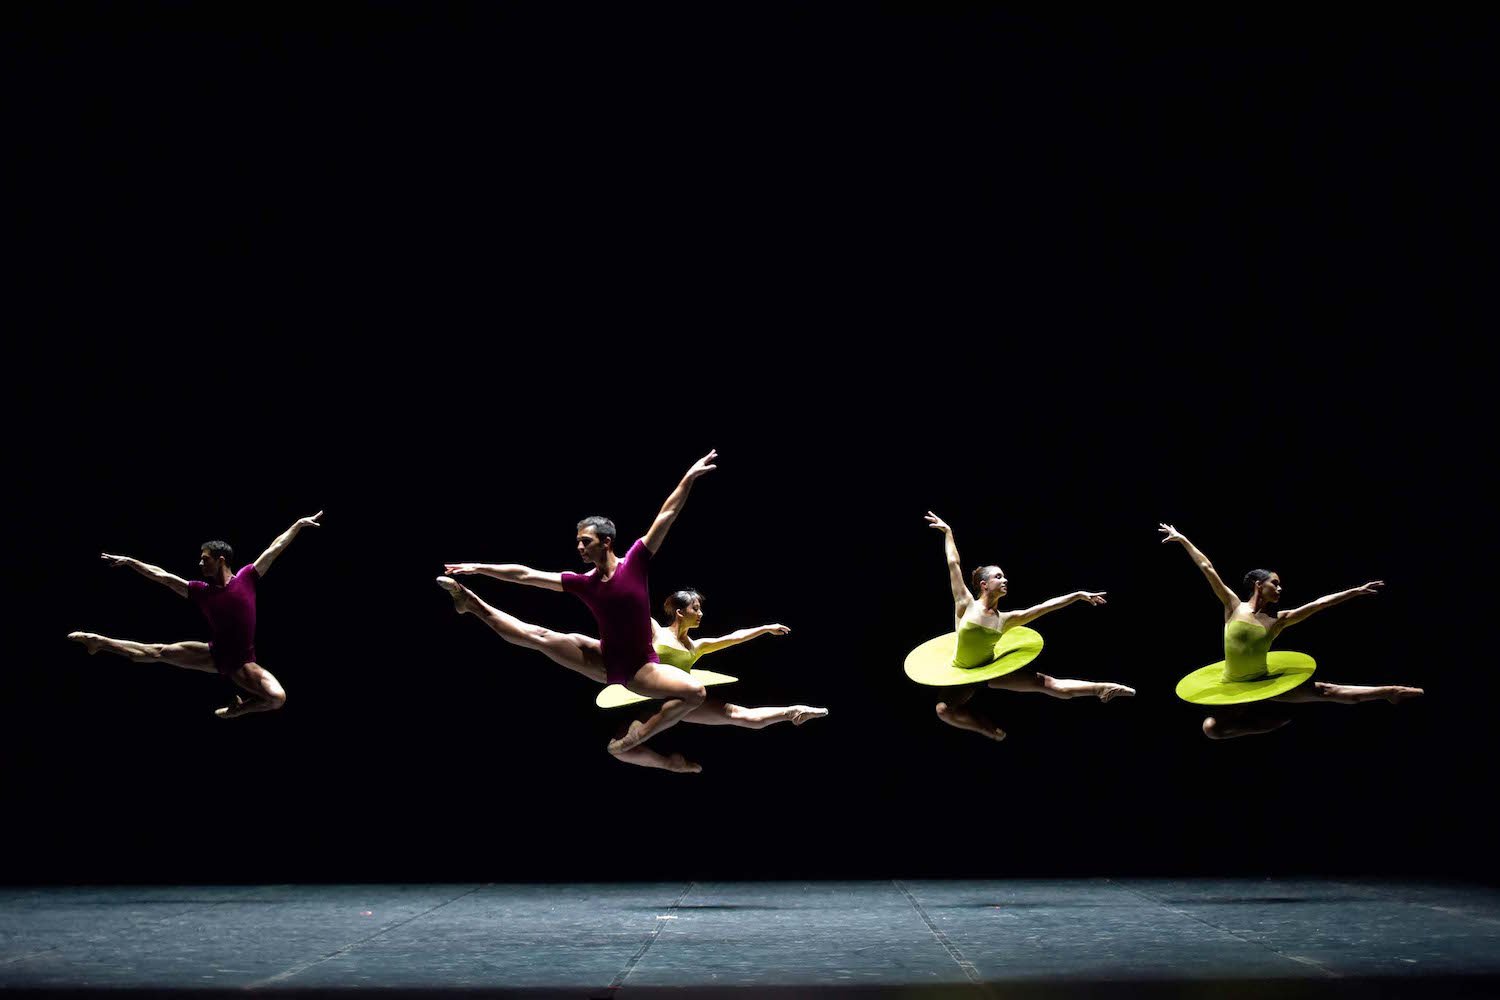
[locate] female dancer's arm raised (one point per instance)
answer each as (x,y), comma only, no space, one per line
(676,648)
(1250,672)
(980,623)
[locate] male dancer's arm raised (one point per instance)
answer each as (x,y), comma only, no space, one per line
(616,590)
(227,600)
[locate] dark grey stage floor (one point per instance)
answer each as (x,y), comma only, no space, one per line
(1117,937)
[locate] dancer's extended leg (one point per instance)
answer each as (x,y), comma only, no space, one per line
(1348,694)
(679,693)
(714,712)
(1060,687)
(188,655)
(957,712)
(579,653)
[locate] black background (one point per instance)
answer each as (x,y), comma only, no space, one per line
(461,277)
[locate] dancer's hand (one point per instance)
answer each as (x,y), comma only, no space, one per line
(1172,534)
(115,560)
(308,522)
(777,630)
(1371,588)
(460,569)
(933,521)
(1092,598)
(704,464)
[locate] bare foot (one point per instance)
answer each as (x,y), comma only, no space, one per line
(629,741)
(680,764)
(967,718)
(457,591)
(1228,729)
(1394,695)
(91,642)
(801,713)
(240,706)
(1108,691)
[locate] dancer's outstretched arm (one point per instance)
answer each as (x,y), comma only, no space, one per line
(178,584)
(674,504)
(1285,618)
(961,596)
(739,636)
(283,540)
(509,572)
(1226,596)
(1015,618)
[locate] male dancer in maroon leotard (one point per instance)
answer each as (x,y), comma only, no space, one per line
(615,590)
(227,600)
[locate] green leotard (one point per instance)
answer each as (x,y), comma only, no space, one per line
(1245,647)
(975,646)
(679,658)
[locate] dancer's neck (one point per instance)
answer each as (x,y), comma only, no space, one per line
(606,566)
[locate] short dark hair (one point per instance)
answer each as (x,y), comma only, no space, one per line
(1254,579)
(603,526)
(219,549)
(677,601)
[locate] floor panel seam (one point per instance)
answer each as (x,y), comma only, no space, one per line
(966,966)
(661,922)
(302,967)
(1240,937)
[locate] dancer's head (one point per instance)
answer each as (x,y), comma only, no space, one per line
(988,580)
(1264,583)
(596,538)
(214,558)
(684,606)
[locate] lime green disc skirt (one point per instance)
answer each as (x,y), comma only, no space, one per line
(616,695)
(932,662)
(1207,686)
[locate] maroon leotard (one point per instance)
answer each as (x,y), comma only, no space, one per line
(622,607)
(230,610)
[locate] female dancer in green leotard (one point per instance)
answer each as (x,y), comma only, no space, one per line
(980,623)
(1249,630)
(684,611)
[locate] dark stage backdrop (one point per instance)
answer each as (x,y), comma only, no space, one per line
(460,281)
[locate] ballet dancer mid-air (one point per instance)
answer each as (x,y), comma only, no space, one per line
(227,600)
(616,590)
(1250,626)
(677,648)
(980,624)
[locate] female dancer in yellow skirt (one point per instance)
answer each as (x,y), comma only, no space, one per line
(981,650)
(675,647)
(1250,672)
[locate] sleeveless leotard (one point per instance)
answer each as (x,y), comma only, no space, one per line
(679,658)
(975,646)
(1245,647)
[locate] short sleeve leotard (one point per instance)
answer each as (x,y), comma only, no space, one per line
(230,610)
(622,608)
